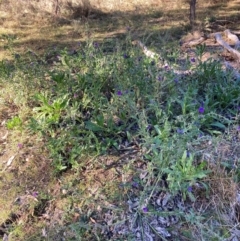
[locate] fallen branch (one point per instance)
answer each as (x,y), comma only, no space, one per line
(194,42)
(232,37)
(233,52)
(161,63)
(230,68)
(218,38)
(146,51)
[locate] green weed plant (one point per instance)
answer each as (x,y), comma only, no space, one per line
(76,108)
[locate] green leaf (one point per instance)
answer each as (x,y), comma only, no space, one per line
(219,125)
(63,104)
(226,164)
(59,77)
(61,167)
(15,122)
(65,61)
(191,196)
(200,175)
(93,126)
(100,120)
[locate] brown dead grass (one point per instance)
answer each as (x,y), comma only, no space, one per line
(39,31)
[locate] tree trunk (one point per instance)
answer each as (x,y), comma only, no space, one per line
(57,8)
(192,11)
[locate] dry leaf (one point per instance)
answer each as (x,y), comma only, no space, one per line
(44,232)
(5,237)
(9,162)
(5,136)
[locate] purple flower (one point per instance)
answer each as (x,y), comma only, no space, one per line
(238,128)
(180,131)
(35,194)
(95,45)
(189,189)
(166,67)
(75,96)
(20,145)
(152,62)
(193,60)
(149,127)
(119,93)
(145,209)
(135,184)
(160,78)
(128,28)
(139,58)
(126,56)
(176,80)
(201,110)
(188,154)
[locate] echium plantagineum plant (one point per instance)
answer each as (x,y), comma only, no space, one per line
(185,173)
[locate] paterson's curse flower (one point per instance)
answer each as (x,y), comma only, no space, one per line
(119,92)
(189,189)
(145,209)
(126,56)
(193,60)
(201,110)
